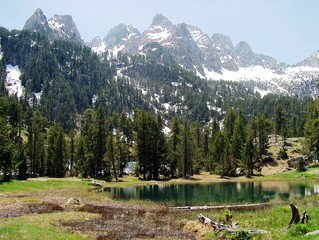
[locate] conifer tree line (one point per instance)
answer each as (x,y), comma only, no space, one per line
(102,145)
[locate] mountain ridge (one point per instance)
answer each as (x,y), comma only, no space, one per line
(211,58)
(216,57)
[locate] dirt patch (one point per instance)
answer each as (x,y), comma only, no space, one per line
(116,221)
(131,223)
(278,166)
(18,209)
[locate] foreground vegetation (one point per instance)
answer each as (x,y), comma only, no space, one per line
(38,207)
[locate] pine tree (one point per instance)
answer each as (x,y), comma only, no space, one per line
(279,121)
(141,124)
(72,150)
(158,148)
(6,149)
(36,142)
(80,156)
(217,148)
(248,155)
(198,162)
(174,142)
(229,123)
(150,144)
(110,154)
(263,130)
(185,168)
(312,129)
(237,139)
(56,164)
(88,133)
(100,142)
(226,164)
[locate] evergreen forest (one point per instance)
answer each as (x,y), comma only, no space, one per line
(79,115)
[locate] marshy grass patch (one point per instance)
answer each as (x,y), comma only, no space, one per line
(43,226)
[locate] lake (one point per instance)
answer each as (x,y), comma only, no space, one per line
(220,193)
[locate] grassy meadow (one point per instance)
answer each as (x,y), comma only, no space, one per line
(38,207)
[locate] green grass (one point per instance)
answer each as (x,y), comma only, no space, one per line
(18,187)
(294,175)
(42,226)
(274,220)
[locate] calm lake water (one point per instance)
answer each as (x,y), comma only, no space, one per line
(225,192)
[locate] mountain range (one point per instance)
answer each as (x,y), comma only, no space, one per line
(213,58)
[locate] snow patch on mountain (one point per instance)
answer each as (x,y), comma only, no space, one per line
(38,96)
(55,25)
(244,73)
(202,41)
(100,48)
(265,81)
(260,73)
(158,34)
(13,82)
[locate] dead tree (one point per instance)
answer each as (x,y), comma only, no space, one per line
(295,217)
(304,217)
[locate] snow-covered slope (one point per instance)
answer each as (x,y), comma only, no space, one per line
(298,80)
(13,82)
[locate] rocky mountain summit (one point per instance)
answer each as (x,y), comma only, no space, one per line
(191,48)
(57,27)
(312,61)
(214,58)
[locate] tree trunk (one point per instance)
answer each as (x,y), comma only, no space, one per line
(295,218)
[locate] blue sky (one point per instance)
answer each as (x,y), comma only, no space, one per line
(287,30)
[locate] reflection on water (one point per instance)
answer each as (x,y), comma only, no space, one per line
(226,192)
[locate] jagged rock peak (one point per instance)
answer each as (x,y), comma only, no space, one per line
(121,30)
(243,46)
(65,19)
(160,19)
(219,38)
(38,12)
(58,27)
(182,30)
(37,20)
(312,61)
(64,27)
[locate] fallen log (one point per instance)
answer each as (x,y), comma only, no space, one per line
(253,206)
(229,228)
(217,226)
